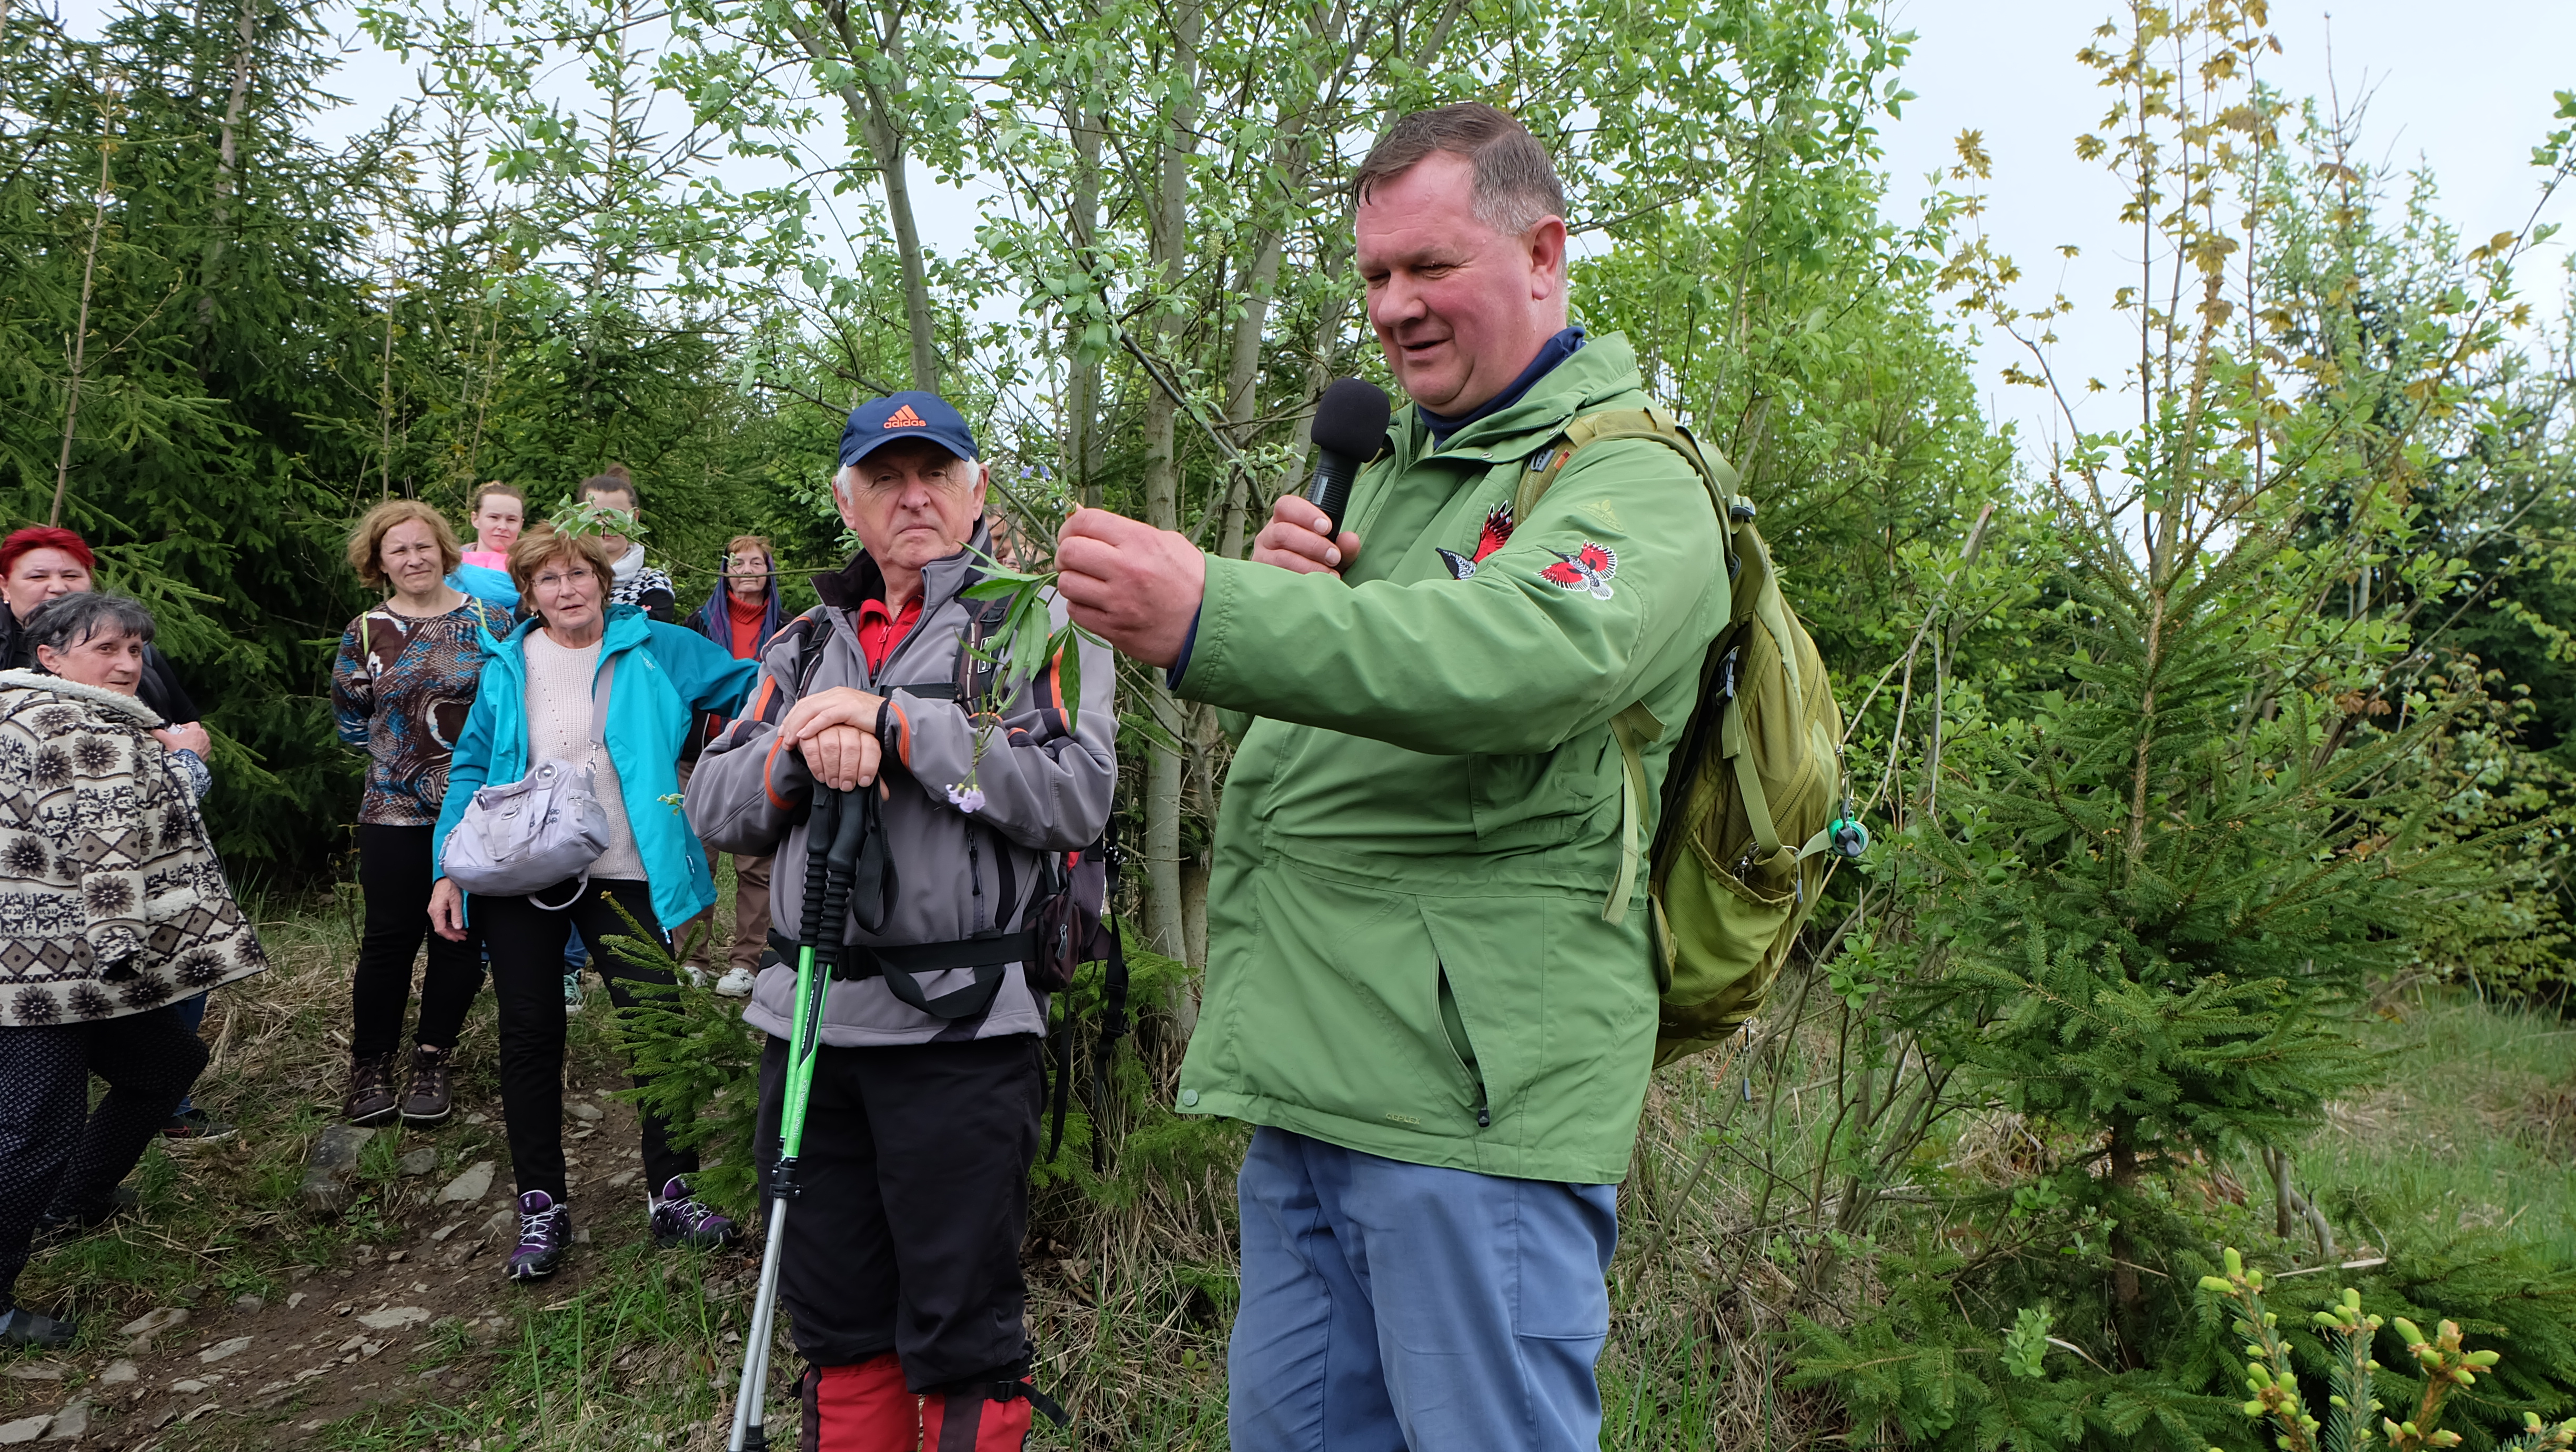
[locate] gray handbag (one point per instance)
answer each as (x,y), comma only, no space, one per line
(537,831)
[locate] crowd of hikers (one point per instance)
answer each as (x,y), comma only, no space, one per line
(1433,965)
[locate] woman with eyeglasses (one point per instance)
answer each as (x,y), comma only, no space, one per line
(578,661)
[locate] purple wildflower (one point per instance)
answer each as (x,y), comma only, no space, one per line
(968,799)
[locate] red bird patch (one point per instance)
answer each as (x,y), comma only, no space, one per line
(1588,569)
(1497,531)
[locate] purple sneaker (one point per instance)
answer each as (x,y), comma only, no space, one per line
(545,1237)
(678,1219)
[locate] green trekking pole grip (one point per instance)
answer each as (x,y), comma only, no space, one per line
(835,825)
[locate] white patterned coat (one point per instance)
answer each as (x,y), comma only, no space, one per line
(112,900)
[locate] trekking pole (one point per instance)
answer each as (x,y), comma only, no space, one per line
(834,827)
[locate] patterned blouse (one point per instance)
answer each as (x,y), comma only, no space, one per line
(401,688)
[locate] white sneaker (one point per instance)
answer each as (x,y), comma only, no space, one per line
(736,983)
(697,975)
(572,993)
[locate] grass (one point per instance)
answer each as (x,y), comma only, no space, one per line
(2475,1128)
(1131,1277)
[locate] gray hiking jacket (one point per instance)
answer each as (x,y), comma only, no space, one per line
(1046,790)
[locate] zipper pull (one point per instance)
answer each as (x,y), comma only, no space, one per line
(1484,1117)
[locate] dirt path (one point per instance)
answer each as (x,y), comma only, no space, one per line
(416,1313)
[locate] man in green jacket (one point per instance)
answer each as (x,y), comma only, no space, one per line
(1428,980)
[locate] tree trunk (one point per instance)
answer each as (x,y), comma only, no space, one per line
(2128,1298)
(1320,367)
(228,158)
(873,110)
(1163,916)
(80,337)
(1082,389)
(1241,370)
(888,145)
(1194,893)
(1169,240)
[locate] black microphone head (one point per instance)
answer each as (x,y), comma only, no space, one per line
(1350,419)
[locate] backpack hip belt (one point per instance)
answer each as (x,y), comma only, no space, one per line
(902,966)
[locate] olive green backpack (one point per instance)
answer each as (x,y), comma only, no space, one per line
(1750,800)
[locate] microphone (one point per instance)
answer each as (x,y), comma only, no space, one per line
(1350,424)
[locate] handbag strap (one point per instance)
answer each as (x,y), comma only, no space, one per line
(598,737)
(599,704)
(598,713)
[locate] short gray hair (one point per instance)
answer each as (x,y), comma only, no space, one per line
(1516,183)
(70,620)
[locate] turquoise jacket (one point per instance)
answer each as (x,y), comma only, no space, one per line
(1426,921)
(486,584)
(665,676)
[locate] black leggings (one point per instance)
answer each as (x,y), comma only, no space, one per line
(527,944)
(393,870)
(48,1158)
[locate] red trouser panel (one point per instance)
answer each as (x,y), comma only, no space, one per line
(861,1408)
(972,1422)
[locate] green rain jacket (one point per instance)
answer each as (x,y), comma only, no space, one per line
(1411,950)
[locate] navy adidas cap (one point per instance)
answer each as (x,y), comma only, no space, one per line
(910,415)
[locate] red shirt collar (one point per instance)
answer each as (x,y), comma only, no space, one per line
(881,630)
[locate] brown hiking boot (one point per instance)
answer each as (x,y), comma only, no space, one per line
(430,1096)
(371,1090)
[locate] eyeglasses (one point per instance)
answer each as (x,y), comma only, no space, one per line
(556,579)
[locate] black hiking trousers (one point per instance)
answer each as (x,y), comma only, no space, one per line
(394,872)
(50,1157)
(915,1176)
(527,946)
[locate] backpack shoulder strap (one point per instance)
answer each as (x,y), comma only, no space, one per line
(812,629)
(1630,423)
(979,665)
(1635,728)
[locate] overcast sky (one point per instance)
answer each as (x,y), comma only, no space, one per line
(2464,89)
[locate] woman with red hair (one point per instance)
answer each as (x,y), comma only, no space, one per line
(41,562)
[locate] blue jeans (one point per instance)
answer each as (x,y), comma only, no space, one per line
(1390,1306)
(192,1013)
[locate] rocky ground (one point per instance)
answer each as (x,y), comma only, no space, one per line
(306,1283)
(413,1317)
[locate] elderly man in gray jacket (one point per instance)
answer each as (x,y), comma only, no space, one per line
(903,1274)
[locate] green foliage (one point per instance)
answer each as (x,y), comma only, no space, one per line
(1024,642)
(698,1066)
(1925,1366)
(2151,898)
(1153,1145)
(196,258)
(2346,1336)
(590,518)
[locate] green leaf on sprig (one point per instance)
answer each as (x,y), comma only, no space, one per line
(1024,642)
(592,519)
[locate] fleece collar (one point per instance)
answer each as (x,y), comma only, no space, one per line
(1602,369)
(95,695)
(941,579)
(627,626)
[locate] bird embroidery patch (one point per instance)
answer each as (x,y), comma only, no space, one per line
(1587,569)
(1496,532)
